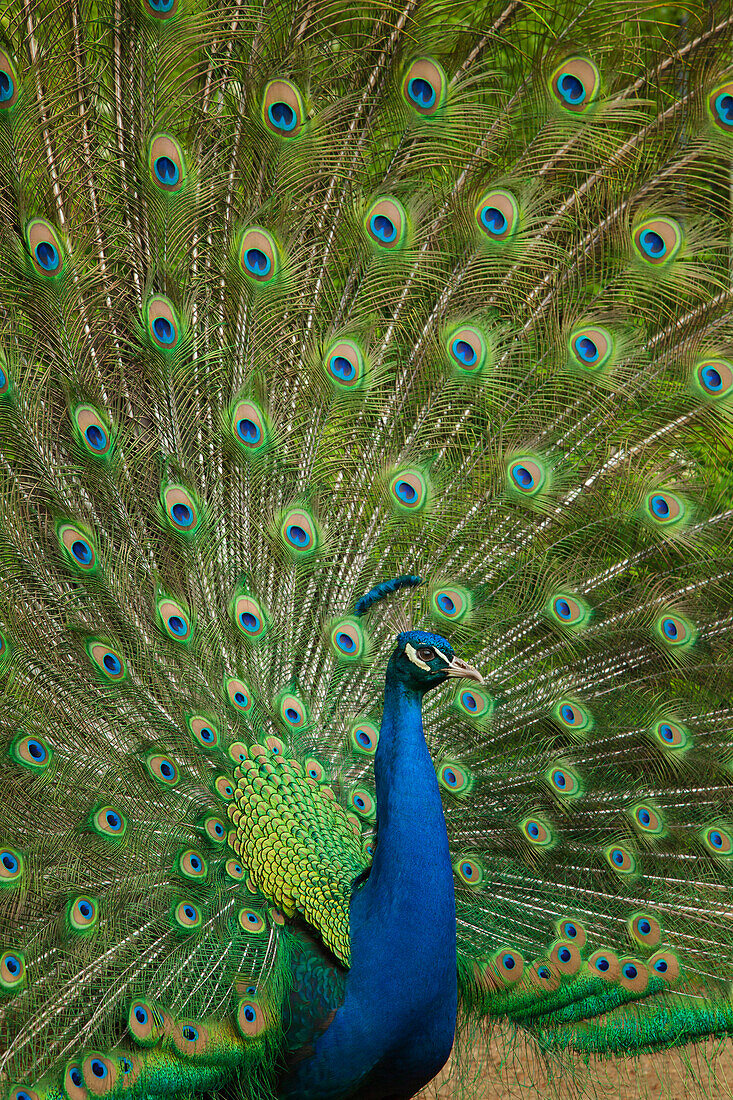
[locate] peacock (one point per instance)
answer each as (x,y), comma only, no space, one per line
(366,409)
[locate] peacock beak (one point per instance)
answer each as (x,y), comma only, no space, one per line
(461,670)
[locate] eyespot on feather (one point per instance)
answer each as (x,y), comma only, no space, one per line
(215,830)
(455,778)
(452,603)
(468,350)
(108,823)
(224,787)
(647,819)
(192,865)
(575,84)
(6,384)
(474,703)
(145,1022)
(675,631)
(160,10)
(204,732)
(167,164)
(348,639)
(107,660)
(657,241)
(234,869)
(101,1073)
(424,87)
(276,747)
(78,548)
(162,324)
(251,1019)
(605,964)
(82,914)
(344,365)
(526,476)
(409,490)
(45,248)
(565,955)
(386,224)
(620,859)
(162,769)
(73,1081)
(664,509)
(259,259)
(181,510)
(299,532)
(633,975)
(590,347)
(11,866)
(567,928)
(713,378)
(12,971)
(573,717)
(190,1038)
(9,84)
(364,738)
(543,976)
(249,427)
(237,752)
(238,694)
(564,781)
(174,620)
(186,916)
(720,107)
(664,964)
(249,617)
(506,967)
(92,433)
(538,832)
(671,735)
(292,711)
(468,871)
(314,769)
(31,751)
(718,840)
(283,112)
(644,930)
(568,611)
(497,215)
(251,921)
(363,803)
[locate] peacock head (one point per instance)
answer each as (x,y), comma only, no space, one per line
(422,661)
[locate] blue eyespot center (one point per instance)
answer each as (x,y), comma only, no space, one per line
(660,507)
(449,777)
(166,170)
(421,91)
(9,862)
(346,642)
(12,964)
(47,255)
(249,1014)
(76,1077)
(82,551)
(508,962)
(85,909)
(645,818)
(282,116)
(661,966)
(468,870)
(383,228)
(95,437)
(724,108)
(711,378)
(190,912)
(463,351)
(207,734)
(141,1014)
(644,927)
(112,663)
(618,857)
(342,367)
(446,604)
(586,349)
(469,701)
(36,750)
(113,820)
(98,1068)
(652,243)
(249,621)
(6,86)
(166,769)
(292,715)
(177,625)
(571,89)
(715,839)
(297,535)
(666,732)
(533,829)
(570,931)
(406,492)
(559,779)
(603,964)
(190,1033)
(182,514)
(164,330)
(565,954)
(248,430)
(523,477)
(630,971)
(257,261)
(493,219)
(562,608)
(670,628)
(544,973)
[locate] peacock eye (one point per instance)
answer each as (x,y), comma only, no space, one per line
(425,653)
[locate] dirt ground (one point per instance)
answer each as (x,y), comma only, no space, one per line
(513,1072)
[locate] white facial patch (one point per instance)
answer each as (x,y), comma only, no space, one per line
(412,654)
